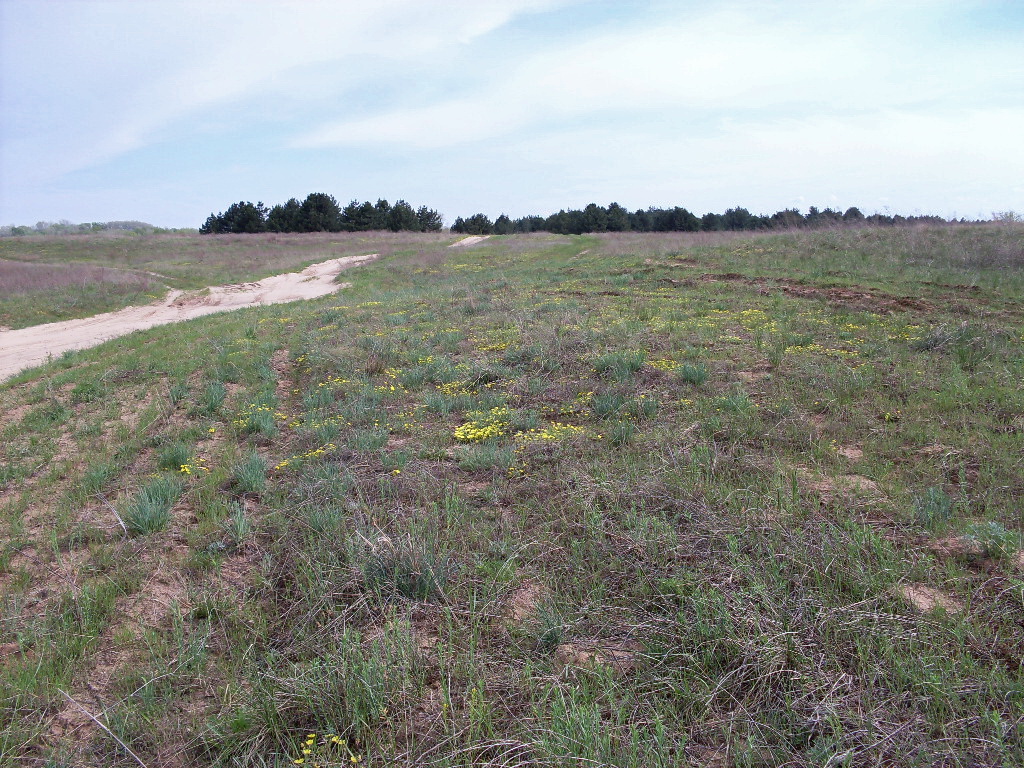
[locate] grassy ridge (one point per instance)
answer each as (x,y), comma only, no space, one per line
(622,500)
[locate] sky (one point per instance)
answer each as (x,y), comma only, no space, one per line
(168,111)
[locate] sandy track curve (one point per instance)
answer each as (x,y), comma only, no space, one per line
(471,240)
(28,347)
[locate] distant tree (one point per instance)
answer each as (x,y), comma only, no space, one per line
(429,219)
(380,214)
(739,218)
(240,218)
(712,222)
(459,225)
(319,213)
(853,216)
(618,218)
(478,224)
(503,225)
(641,220)
(529,224)
(594,218)
(790,218)
(677,220)
(286,217)
(402,217)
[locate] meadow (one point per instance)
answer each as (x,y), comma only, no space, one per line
(604,500)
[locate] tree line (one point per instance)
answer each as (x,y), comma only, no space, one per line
(320,212)
(615,218)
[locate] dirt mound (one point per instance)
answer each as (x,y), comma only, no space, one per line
(28,347)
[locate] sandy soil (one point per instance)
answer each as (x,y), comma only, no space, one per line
(28,347)
(471,240)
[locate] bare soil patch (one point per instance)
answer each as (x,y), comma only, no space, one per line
(471,240)
(925,598)
(854,298)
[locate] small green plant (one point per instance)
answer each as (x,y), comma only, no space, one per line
(87,391)
(645,407)
(620,365)
(993,539)
(174,456)
(933,509)
(213,397)
(621,433)
(549,625)
(178,392)
(484,456)
(411,567)
(150,510)
(608,404)
(250,476)
(237,527)
(693,374)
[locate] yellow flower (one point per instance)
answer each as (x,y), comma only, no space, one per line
(211,430)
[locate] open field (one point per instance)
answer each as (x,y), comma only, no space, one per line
(627,500)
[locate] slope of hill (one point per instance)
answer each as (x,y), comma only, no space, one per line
(606,500)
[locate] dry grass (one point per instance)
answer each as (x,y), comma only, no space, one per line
(17,278)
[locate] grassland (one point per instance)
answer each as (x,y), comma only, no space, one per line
(567,501)
(45,279)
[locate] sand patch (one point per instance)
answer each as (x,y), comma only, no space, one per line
(471,240)
(926,599)
(620,655)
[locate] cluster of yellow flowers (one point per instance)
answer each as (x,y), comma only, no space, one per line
(454,388)
(663,364)
(331,749)
(485,425)
(193,465)
(245,417)
(312,453)
(554,431)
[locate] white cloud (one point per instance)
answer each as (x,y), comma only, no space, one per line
(121,73)
(724,60)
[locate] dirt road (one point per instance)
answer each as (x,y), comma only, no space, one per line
(471,240)
(28,347)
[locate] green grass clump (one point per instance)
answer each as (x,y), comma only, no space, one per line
(150,510)
(693,374)
(174,456)
(250,475)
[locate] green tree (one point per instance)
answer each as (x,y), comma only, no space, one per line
(429,219)
(286,217)
(503,225)
(618,218)
(320,213)
(402,217)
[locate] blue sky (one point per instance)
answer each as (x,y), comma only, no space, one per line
(167,111)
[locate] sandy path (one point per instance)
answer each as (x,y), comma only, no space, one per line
(471,240)
(28,347)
